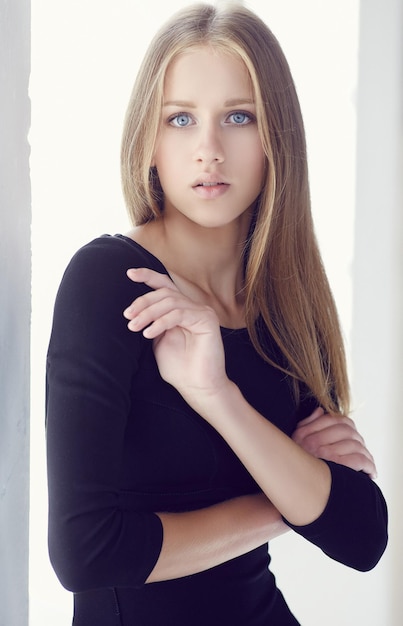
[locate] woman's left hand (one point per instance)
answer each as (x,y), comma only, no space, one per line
(186,336)
(334,438)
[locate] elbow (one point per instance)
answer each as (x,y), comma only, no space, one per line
(371,552)
(361,537)
(73,556)
(107,549)
(361,548)
(376,538)
(69,567)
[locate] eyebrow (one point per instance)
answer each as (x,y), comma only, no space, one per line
(190,105)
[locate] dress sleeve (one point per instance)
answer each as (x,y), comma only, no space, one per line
(353,527)
(96,539)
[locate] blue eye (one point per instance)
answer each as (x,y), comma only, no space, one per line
(180,120)
(240,118)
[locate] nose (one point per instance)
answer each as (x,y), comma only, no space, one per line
(209,147)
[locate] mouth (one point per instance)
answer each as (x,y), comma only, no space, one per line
(210,189)
(212,183)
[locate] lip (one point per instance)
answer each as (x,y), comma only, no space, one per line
(209,180)
(211,191)
(210,186)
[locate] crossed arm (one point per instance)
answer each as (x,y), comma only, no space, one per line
(295,481)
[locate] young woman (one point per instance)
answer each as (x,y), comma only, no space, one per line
(197,387)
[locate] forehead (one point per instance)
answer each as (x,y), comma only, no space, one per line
(207,71)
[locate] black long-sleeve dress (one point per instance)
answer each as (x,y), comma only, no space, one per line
(123,444)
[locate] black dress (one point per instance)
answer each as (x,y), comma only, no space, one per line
(123,444)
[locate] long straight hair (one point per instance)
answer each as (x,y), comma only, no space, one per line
(286,289)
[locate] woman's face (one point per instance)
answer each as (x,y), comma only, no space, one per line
(209,155)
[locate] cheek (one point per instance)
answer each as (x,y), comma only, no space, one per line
(169,166)
(249,149)
(258,162)
(168,154)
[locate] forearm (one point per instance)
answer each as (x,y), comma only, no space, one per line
(195,541)
(297,483)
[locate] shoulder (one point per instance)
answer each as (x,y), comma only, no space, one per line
(105,260)
(95,278)
(111,251)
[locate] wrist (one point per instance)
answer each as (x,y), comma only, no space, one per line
(212,406)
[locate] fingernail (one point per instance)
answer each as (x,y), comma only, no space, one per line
(133,324)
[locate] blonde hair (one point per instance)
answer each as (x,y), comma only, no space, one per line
(286,288)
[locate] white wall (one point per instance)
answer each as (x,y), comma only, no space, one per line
(378,273)
(84,58)
(15,309)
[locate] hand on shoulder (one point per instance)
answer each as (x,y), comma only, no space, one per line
(186,336)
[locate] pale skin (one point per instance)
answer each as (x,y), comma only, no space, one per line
(211,166)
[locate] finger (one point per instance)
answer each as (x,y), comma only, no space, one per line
(336,432)
(312,417)
(142,303)
(157,312)
(319,416)
(153,279)
(344,448)
(322,422)
(154,307)
(195,320)
(357,459)
(359,463)
(350,452)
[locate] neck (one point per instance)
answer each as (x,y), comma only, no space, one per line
(205,263)
(209,257)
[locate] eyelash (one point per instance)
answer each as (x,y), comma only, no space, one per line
(250,118)
(176,116)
